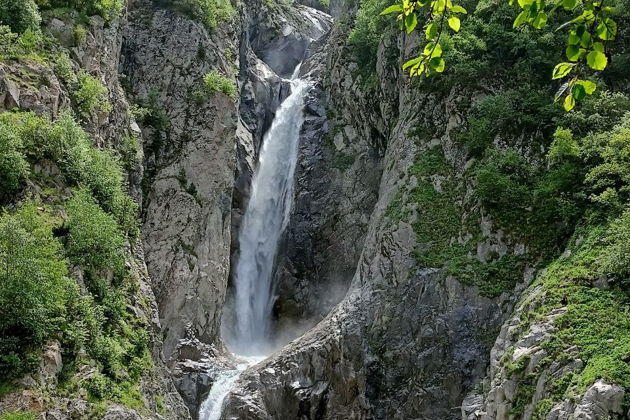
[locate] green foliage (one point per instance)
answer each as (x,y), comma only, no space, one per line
(210,12)
(587,34)
(13,165)
(131,151)
(439,15)
(26,45)
(68,145)
(91,95)
(607,156)
(215,82)
(539,206)
(18,415)
(367,32)
(342,161)
(94,240)
(63,68)
(160,405)
(20,15)
(32,288)
(596,321)
(107,9)
(80,34)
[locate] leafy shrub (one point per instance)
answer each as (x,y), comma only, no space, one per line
(13,165)
(80,34)
(18,415)
(607,157)
(131,151)
(91,95)
(68,145)
(63,68)
(368,30)
(32,288)
(107,9)
(210,12)
(94,240)
(20,15)
(215,82)
(26,45)
(504,184)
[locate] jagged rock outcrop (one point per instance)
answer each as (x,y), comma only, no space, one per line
(186,214)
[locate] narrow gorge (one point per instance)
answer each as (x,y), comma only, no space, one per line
(217,209)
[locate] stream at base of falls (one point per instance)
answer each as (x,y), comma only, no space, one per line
(212,407)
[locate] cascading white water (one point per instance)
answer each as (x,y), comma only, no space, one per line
(265,218)
(212,407)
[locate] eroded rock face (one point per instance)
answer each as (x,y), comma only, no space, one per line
(403,343)
(189,156)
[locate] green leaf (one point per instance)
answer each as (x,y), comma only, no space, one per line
(562,69)
(411,62)
(454,23)
(433,50)
(578,92)
(589,87)
(410,22)
(569,4)
(607,29)
(586,39)
(525,3)
(540,21)
(458,9)
(597,60)
(574,39)
(573,52)
(437,64)
(417,70)
(392,9)
(569,103)
(431,31)
(520,19)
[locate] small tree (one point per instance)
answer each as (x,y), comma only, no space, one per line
(32,288)
(20,15)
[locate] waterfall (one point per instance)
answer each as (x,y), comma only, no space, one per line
(265,219)
(212,407)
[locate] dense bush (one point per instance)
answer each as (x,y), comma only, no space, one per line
(20,15)
(216,82)
(33,286)
(13,165)
(107,9)
(68,145)
(26,45)
(94,240)
(91,95)
(210,12)
(368,30)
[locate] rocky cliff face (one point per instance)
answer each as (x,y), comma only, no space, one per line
(33,86)
(373,273)
(186,214)
(399,322)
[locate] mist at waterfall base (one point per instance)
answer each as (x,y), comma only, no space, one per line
(265,218)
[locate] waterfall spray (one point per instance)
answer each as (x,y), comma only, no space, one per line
(265,219)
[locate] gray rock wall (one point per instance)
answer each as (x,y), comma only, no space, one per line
(189,158)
